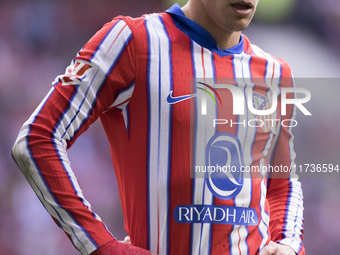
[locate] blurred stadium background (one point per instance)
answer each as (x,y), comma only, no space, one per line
(38,39)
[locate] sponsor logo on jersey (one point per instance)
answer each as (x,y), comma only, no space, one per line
(216,214)
(224,150)
(173,100)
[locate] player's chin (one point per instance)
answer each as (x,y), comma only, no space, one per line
(242,22)
(238,25)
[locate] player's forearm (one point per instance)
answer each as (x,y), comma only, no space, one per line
(284,190)
(286,213)
(43,160)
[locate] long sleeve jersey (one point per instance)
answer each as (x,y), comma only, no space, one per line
(179,116)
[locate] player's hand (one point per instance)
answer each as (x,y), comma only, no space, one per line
(126,240)
(277,249)
(116,247)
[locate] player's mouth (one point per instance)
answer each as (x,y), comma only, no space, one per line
(243,8)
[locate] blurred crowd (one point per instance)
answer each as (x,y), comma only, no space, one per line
(39,38)
(321,17)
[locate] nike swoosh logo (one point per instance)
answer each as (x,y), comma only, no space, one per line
(173,100)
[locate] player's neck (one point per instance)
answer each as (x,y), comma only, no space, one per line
(223,38)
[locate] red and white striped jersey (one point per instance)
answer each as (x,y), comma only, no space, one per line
(148,79)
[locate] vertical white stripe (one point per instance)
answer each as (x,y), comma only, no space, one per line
(241,134)
(154,135)
(203,69)
(244,198)
(163,181)
(210,131)
(160,133)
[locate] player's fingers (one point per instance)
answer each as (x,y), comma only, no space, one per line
(127,240)
(277,249)
(269,249)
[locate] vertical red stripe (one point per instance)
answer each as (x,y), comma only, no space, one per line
(202,56)
(134,178)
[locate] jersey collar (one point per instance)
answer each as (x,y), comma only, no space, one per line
(198,34)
